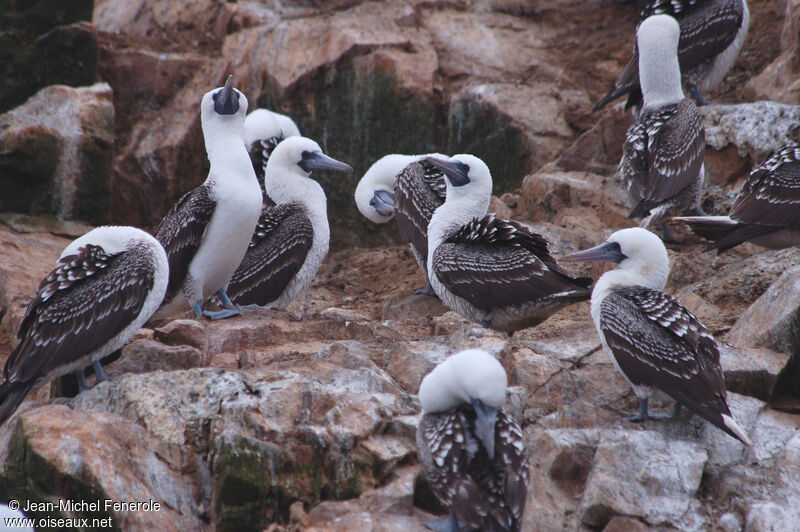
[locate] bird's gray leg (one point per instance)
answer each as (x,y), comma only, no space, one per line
(701,100)
(485,324)
(676,412)
(82,384)
(100,375)
(448,524)
(699,211)
(642,414)
(225,300)
(427,291)
(667,235)
(213,315)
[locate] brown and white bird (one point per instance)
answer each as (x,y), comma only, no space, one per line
(662,157)
(206,233)
(291,237)
(105,286)
(766,211)
(263,131)
(712,33)
(407,188)
(653,340)
(471,451)
(494,272)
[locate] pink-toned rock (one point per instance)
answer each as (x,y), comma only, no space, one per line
(412,307)
(137,474)
(182,332)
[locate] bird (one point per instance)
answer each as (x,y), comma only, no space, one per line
(766,210)
(712,33)
(263,131)
(653,340)
(406,187)
(662,156)
(206,233)
(291,238)
(494,272)
(105,286)
(471,451)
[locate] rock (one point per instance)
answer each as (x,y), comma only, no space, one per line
(83,473)
(182,332)
(752,371)
(779,80)
(599,149)
(146,355)
(25,260)
(412,307)
(641,474)
(768,516)
(625,524)
(773,320)
(45,43)
(756,129)
(55,153)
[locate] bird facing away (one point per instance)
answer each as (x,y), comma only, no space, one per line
(766,211)
(494,272)
(263,131)
(206,233)
(291,238)
(105,286)
(653,340)
(410,188)
(662,157)
(471,451)
(712,33)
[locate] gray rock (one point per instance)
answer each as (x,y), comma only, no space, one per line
(756,129)
(774,319)
(641,474)
(55,151)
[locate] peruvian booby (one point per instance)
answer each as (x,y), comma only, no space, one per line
(206,233)
(662,157)
(653,340)
(471,451)
(712,33)
(263,131)
(410,188)
(766,211)
(291,238)
(494,272)
(105,286)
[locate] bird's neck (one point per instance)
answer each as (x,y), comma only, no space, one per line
(660,75)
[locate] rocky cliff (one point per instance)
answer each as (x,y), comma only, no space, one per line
(305,419)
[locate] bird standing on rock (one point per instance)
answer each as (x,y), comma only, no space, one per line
(106,285)
(206,233)
(712,33)
(291,238)
(766,211)
(652,339)
(409,188)
(662,157)
(471,451)
(494,272)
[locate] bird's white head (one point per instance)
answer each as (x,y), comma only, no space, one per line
(112,238)
(375,192)
(223,108)
(640,254)
(262,124)
(659,70)
(469,182)
(290,165)
(463,378)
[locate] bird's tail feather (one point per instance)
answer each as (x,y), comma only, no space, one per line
(11,395)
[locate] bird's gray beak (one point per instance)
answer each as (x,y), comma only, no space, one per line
(606,252)
(226,101)
(316,160)
(484,425)
(383,202)
(454,170)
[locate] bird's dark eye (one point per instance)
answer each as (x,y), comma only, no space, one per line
(466,167)
(214,96)
(614,246)
(304,154)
